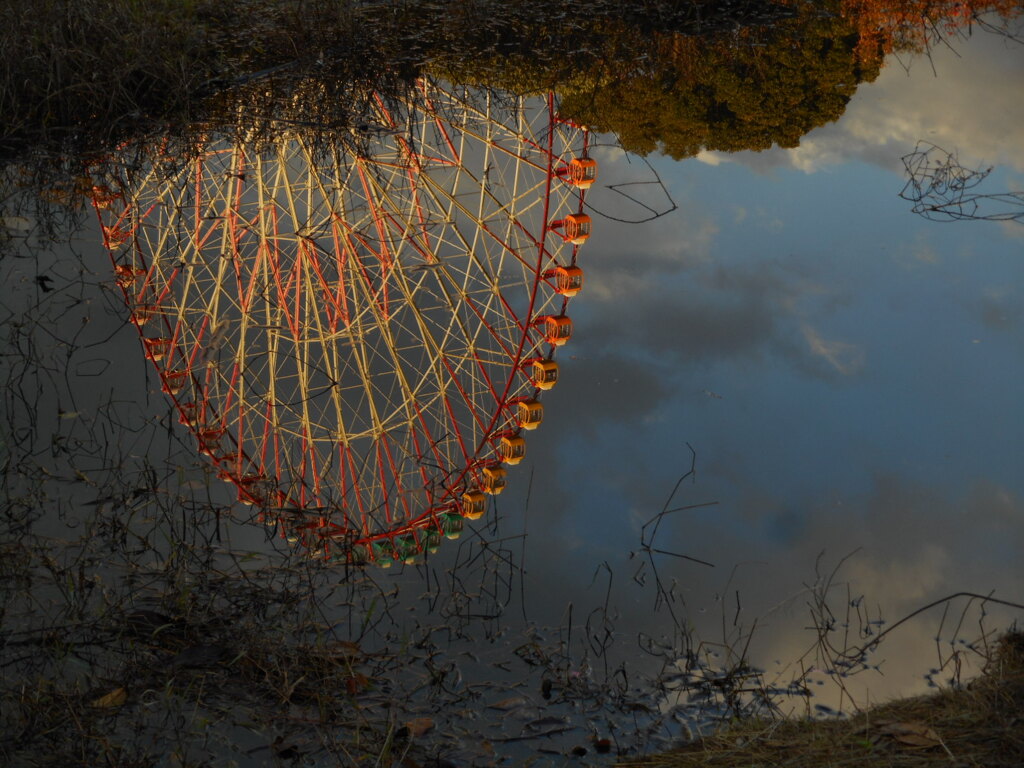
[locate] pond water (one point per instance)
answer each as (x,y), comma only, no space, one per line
(788,417)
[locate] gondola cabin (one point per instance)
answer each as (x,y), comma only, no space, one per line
(253,489)
(174,382)
(142,313)
(529,414)
(544,374)
(451,526)
(189,414)
(125,276)
(383,554)
(581,172)
(574,228)
(407,549)
(103,197)
(568,280)
(115,236)
(211,442)
(432,541)
(512,449)
(157,349)
(494,480)
(557,328)
(358,554)
(474,504)
(225,462)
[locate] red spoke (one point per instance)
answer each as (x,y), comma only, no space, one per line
(351,343)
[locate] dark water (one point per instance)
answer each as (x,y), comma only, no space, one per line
(834,379)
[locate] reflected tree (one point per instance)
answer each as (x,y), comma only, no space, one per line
(765,82)
(729,95)
(747,90)
(942,189)
(918,25)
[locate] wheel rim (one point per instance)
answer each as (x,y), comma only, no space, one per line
(350,334)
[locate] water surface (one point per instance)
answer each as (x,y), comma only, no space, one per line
(835,376)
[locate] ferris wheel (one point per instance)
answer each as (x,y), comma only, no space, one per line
(358,336)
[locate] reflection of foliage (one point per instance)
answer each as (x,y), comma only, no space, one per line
(82,74)
(916,25)
(943,190)
(573,44)
(673,85)
(750,90)
(682,87)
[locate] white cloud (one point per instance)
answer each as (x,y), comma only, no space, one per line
(915,576)
(621,260)
(967,99)
(847,359)
(1013,229)
(713,158)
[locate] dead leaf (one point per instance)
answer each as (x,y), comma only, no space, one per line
(917,740)
(912,734)
(419,725)
(115,698)
(513,702)
(356,683)
(544,723)
(198,656)
(345,648)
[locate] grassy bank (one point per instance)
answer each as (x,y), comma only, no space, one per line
(76,75)
(979,725)
(79,75)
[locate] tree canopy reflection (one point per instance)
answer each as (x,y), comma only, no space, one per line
(748,86)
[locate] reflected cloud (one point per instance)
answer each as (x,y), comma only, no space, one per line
(621,269)
(919,252)
(715,312)
(1001,310)
(845,358)
(1012,229)
(935,98)
(915,576)
(614,388)
(712,158)
(886,553)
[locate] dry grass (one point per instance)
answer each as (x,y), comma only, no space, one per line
(979,726)
(94,68)
(82,75)
(109,657)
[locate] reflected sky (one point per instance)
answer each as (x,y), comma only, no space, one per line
(847,372)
